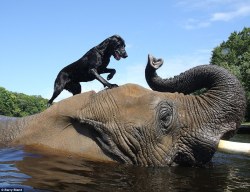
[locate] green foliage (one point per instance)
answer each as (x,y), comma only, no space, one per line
(234,55)
(19,104)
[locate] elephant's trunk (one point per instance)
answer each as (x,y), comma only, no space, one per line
(204,76)
(224,94)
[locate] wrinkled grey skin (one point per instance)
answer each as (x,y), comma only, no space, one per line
(134,125)
(213,115)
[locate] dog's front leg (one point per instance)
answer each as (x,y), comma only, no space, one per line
(110,71)
(101,79)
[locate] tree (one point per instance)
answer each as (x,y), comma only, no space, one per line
(19,104)
(234,55)
(7,101)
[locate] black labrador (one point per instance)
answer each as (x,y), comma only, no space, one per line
(90,66)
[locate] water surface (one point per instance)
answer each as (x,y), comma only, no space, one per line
(38,172)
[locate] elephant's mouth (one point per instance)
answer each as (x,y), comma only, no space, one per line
(195,154)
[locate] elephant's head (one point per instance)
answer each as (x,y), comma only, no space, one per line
(151,128)
(135,125)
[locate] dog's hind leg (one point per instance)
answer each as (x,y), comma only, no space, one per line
(57,91)
(60,82)
(73,87)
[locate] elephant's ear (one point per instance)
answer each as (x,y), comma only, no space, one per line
(102,136)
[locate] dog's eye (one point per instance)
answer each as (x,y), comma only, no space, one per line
(120,47)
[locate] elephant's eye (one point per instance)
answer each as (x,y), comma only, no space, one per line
(165,115)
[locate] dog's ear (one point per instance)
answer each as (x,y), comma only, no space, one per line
(117,38)
(113,40)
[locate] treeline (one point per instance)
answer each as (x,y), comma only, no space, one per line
(20,105)
(234,55)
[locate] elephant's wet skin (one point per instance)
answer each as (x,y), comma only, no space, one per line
(134,125)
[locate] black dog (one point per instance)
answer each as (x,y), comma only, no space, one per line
(90,66)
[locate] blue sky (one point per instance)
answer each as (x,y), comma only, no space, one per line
(38,38)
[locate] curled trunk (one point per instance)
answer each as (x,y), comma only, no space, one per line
(224,96)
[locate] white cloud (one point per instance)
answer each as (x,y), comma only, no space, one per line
(194,23)
(227,16)
(233,10)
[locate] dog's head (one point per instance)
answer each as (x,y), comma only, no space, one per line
(118,47)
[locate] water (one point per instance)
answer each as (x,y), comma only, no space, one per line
(35,172)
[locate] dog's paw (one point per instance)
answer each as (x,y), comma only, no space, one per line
(112,86)
(110,76)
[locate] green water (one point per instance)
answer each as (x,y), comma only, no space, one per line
(33,172)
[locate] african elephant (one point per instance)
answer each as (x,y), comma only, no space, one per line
(134,125)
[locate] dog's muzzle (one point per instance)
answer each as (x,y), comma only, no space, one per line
(120,53)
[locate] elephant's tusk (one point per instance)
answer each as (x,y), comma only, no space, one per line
(234,147)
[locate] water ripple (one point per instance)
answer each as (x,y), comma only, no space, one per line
(32,172)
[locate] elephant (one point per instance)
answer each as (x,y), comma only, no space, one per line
(166,126)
